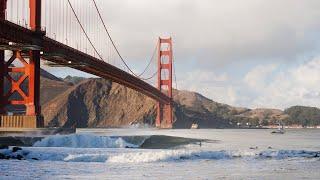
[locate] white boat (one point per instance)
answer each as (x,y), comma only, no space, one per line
(280,130)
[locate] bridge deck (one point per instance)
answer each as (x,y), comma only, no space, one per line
(59,53)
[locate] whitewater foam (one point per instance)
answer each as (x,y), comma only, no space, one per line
(81,148)
(86,158)
(83,141)
(281,154)
(150,156)
(167,155)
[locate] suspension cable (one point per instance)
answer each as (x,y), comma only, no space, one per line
(152,76)
(150,61)
(115,47)
(113,44)
(96,51)
(83,30)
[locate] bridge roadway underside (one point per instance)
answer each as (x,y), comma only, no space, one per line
(59,53)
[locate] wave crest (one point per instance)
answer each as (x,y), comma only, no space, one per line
(83,141)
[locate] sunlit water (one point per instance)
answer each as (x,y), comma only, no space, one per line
(234,154)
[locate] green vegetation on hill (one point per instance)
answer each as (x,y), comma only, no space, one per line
(302,115)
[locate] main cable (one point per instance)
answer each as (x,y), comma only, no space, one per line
(96,51)
(150,61)
(113,44)
(115,47)
(83,30)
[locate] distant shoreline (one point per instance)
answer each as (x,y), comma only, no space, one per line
(294,127)
(276,127)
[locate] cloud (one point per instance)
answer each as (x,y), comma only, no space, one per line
(210,84)
(206,76)
(257,77)
(209,37)
(265,86)
(212,31)
(216,32)
(298,85)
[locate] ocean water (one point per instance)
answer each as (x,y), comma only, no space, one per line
(224,154)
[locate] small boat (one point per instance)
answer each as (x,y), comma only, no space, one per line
(280,130)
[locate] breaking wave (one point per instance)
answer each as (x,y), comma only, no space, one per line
(85,152)
(84,141)
(150,156)
(96,141)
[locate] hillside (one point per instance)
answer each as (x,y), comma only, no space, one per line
(261,116)
(302,115)
(80,102)
(107,104)
(51,86)
(73,79)
(97,103)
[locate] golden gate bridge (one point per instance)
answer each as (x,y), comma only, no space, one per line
(69,33)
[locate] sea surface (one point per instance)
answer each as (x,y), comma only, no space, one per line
(135,153)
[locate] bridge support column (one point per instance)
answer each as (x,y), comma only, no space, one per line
(3,7)
(165,57)
(33,106)
(2,103)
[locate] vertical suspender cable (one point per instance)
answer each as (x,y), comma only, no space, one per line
(44,8)
(50,17)
(17,20)
(79,38)
(23,13)
(48,7)
(84,29)
(66,22)
(63,24)
(11,10)
(175,76)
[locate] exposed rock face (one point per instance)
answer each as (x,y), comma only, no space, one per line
(73,79)
(192,108)
(101,103)
(98,103)
(51,86)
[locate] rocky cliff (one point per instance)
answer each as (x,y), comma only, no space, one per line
(101,103)
(98,103)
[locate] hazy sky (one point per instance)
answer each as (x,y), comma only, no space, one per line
(253,53)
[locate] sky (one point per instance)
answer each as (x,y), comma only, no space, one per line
(251,53)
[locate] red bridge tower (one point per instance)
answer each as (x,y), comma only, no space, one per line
(165,58)
(15,96)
